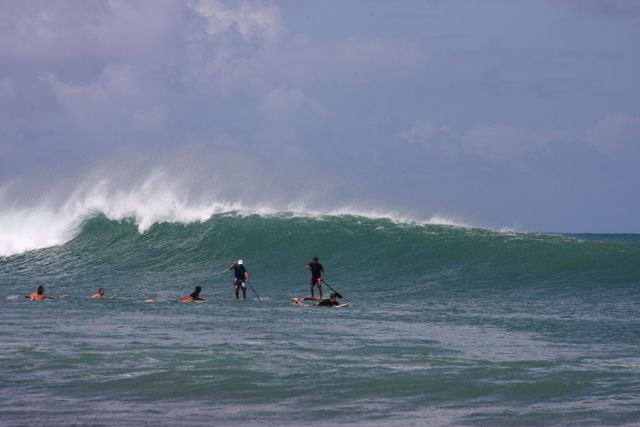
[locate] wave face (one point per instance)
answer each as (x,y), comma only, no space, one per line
(364,252)
(449,326)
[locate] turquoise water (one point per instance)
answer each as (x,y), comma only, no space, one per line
(449,326)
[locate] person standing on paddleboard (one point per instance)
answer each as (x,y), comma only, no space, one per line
(317,274)
(241,278)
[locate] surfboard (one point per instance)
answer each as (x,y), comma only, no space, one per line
(311,298)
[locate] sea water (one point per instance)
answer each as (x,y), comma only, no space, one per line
(448,326)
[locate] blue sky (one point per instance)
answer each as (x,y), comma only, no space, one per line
(520,114)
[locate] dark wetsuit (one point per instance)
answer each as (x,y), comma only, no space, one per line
(316,273)
(238,272)
(327,303)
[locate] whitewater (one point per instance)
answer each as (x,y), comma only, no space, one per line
(158,197)
(449,324)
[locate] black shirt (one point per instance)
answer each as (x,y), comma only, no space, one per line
(327,303)
(315,269)
(238,271)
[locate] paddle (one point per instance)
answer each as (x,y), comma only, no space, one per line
(338,294)
(254,291)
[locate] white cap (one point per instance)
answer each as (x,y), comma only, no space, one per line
(239,262)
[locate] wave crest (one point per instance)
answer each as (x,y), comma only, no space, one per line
(156,199)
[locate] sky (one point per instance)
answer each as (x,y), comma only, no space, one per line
(503,114)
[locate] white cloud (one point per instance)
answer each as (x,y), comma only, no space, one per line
(45,31)
(253,22)
(495,142)
(281,101)
(428,133)
(508,142)
(222,42)
(615,134)
(203,44)
(115,85)
(435,136)
(151,119)
(302,59)
(248,48)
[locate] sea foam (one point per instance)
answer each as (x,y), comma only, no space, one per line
(158,198)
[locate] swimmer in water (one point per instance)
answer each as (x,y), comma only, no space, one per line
(39,295)
(195,296)
(98,294)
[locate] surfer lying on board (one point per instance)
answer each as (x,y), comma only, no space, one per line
(39,295)
(195,296)
(331,302)
(98,294)
(241,278)
(317,274)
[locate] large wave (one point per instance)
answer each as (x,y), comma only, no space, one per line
(370,254)
(157,198)
(191,183)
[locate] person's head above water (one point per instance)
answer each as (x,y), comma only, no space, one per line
(315,259)
(240,262)
(101,291)
(333,296)
(40,290)
(196,293)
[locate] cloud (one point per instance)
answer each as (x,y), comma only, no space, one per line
(280,101)
(436,136)
(81,80)
(611,8)
(615,135)
(192,46)
(151,119)
(45,32)
(509,143)
(88,102)
(222,41)
(494,142)
(89,73)
(303,59)
(253,22)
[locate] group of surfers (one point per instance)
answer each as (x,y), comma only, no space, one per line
(241,280)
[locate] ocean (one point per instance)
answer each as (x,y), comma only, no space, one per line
(449,325)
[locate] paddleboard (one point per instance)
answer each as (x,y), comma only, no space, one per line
(311,299)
